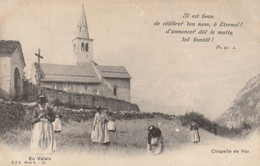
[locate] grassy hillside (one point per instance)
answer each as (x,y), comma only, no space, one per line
(131,129)
(130,137)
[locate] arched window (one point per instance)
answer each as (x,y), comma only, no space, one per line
(86,47)
(115,91)
(82,46)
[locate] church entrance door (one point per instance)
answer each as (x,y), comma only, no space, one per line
(17,83)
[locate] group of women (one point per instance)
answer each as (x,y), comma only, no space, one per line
(102,125)
(46,123)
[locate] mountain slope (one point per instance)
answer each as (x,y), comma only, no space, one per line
(245,108)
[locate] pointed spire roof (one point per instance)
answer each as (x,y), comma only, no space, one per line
(83,20)
(82,28)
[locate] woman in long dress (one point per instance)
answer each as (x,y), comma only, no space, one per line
(57,123)
(100,132)
(97,132)
(42,140)
(154,141)
(195,137)
(106,139)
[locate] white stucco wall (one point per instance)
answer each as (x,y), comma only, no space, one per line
(81,55)
(5,76)
(8,64)
(103,89)
(73,87)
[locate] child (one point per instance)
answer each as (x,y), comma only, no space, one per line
(57,123)
(111,125)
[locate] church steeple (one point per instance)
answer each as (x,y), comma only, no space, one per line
(82,28)
(82,44)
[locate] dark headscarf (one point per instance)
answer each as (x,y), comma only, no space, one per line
(98,108)
(153,132)
(41,99)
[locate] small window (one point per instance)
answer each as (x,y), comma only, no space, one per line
(82,46)
(86,47)
(74,45)
(115,91)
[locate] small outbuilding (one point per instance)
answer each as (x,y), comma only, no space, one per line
(11,69)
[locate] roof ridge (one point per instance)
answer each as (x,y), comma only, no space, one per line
(109,66)
(17,41)
(70,75)
(57,64)
(114,71)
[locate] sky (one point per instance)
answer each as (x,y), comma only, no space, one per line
(168,75)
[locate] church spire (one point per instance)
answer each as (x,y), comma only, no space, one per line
(82,28)
(82,44)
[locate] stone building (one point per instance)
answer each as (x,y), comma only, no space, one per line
(11,69)
(86,77)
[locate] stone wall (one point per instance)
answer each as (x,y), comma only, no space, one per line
(122,88)
(89,101)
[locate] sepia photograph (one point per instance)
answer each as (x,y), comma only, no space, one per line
(129,82)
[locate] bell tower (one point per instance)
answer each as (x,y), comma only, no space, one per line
(82,44)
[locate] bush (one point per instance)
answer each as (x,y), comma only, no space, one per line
(212,127)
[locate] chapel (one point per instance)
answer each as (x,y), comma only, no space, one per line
(86,76)
(11,70)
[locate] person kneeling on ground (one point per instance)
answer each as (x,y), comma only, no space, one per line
(154,141)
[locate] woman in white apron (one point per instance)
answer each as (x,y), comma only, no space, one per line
(106,139)
(97,132)
(111,125)
(42,140)
(100,132)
